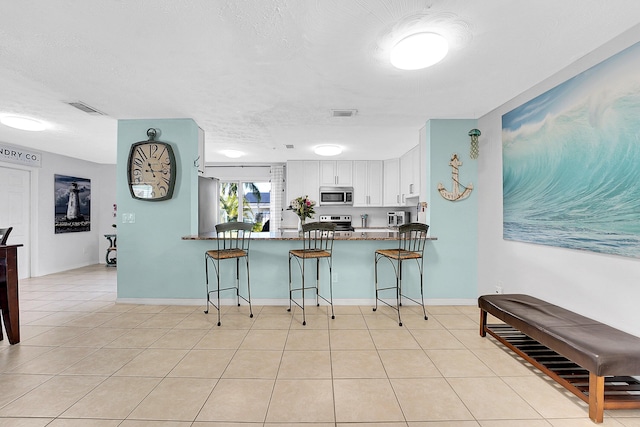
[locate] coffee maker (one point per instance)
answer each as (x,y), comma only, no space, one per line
(398,218)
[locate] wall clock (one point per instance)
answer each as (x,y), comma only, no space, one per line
(151,169)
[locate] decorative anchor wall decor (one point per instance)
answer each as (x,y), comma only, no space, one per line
(455,195)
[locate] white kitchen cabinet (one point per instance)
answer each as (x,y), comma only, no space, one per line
(302,179)
(367,183)
(336,172)
(391,191)
(410,175)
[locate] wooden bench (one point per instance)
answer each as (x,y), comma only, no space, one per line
(592,360)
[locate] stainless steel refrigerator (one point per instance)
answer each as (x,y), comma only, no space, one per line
(208,204)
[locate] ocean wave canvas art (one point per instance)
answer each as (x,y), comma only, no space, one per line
(571,162)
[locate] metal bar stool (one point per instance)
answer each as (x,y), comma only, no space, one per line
(317,243)
(411,241)
(233,243)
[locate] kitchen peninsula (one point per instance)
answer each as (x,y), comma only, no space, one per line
(290,234)
(353,256)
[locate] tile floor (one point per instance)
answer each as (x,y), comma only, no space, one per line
(86,361)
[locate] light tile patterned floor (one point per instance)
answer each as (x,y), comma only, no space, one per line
(86,361)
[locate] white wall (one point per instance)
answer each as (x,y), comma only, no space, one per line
(50,252)
(603,287)
(58,252)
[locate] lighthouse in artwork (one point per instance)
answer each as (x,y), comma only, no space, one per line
(73,206)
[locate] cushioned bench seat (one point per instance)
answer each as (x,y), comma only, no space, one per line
(600,349)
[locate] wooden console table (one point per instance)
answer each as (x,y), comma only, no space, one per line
(9,292)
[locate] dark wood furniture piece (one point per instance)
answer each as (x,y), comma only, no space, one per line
(592,360)
(9,292)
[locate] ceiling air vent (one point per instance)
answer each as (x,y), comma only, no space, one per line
(86,108)
(289,146)
(343,113)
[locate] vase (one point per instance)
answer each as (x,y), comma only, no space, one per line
(300,224)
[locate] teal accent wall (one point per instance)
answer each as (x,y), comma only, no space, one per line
(452,260)
(153,261)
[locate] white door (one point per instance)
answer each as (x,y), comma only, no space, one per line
(15,196)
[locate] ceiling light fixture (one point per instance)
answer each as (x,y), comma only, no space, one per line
(327,150)
(232,154)
(418,51)
(23,123)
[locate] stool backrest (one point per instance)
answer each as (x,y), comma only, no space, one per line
(4,235)
(234,235)
(412,237)
(318,236)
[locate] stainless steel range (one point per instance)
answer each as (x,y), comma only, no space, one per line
(343,224)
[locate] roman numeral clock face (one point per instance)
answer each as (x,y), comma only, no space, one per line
(151,171)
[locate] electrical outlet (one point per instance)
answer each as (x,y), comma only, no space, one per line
(335,277)
(499,288)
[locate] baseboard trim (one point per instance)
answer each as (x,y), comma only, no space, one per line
(283,302)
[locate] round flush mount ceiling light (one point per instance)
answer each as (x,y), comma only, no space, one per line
(23,123)
(418,51)
(327,150)
(232,154)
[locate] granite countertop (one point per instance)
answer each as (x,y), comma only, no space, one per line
(290,234)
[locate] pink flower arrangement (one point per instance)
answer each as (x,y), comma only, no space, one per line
(303,207)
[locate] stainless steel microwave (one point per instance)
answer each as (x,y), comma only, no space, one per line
(336,196)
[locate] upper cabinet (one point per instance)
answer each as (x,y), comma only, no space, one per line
(336,172)
(302,179)
(410,175)
(376,183)
(391,182)
(367,183)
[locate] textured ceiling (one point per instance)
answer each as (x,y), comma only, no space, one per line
(259,74)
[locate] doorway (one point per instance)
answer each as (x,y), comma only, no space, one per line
(15,211)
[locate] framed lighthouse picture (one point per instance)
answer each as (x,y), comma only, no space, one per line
(72,204)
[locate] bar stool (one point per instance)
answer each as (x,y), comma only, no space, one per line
(317,243)
(411,241)
(233,243)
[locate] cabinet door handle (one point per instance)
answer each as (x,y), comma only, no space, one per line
(397,198)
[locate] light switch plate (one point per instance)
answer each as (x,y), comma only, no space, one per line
(128,218)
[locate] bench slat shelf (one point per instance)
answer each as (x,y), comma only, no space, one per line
(571,376)
(601,388)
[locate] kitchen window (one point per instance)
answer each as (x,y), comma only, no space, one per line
(247,202)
